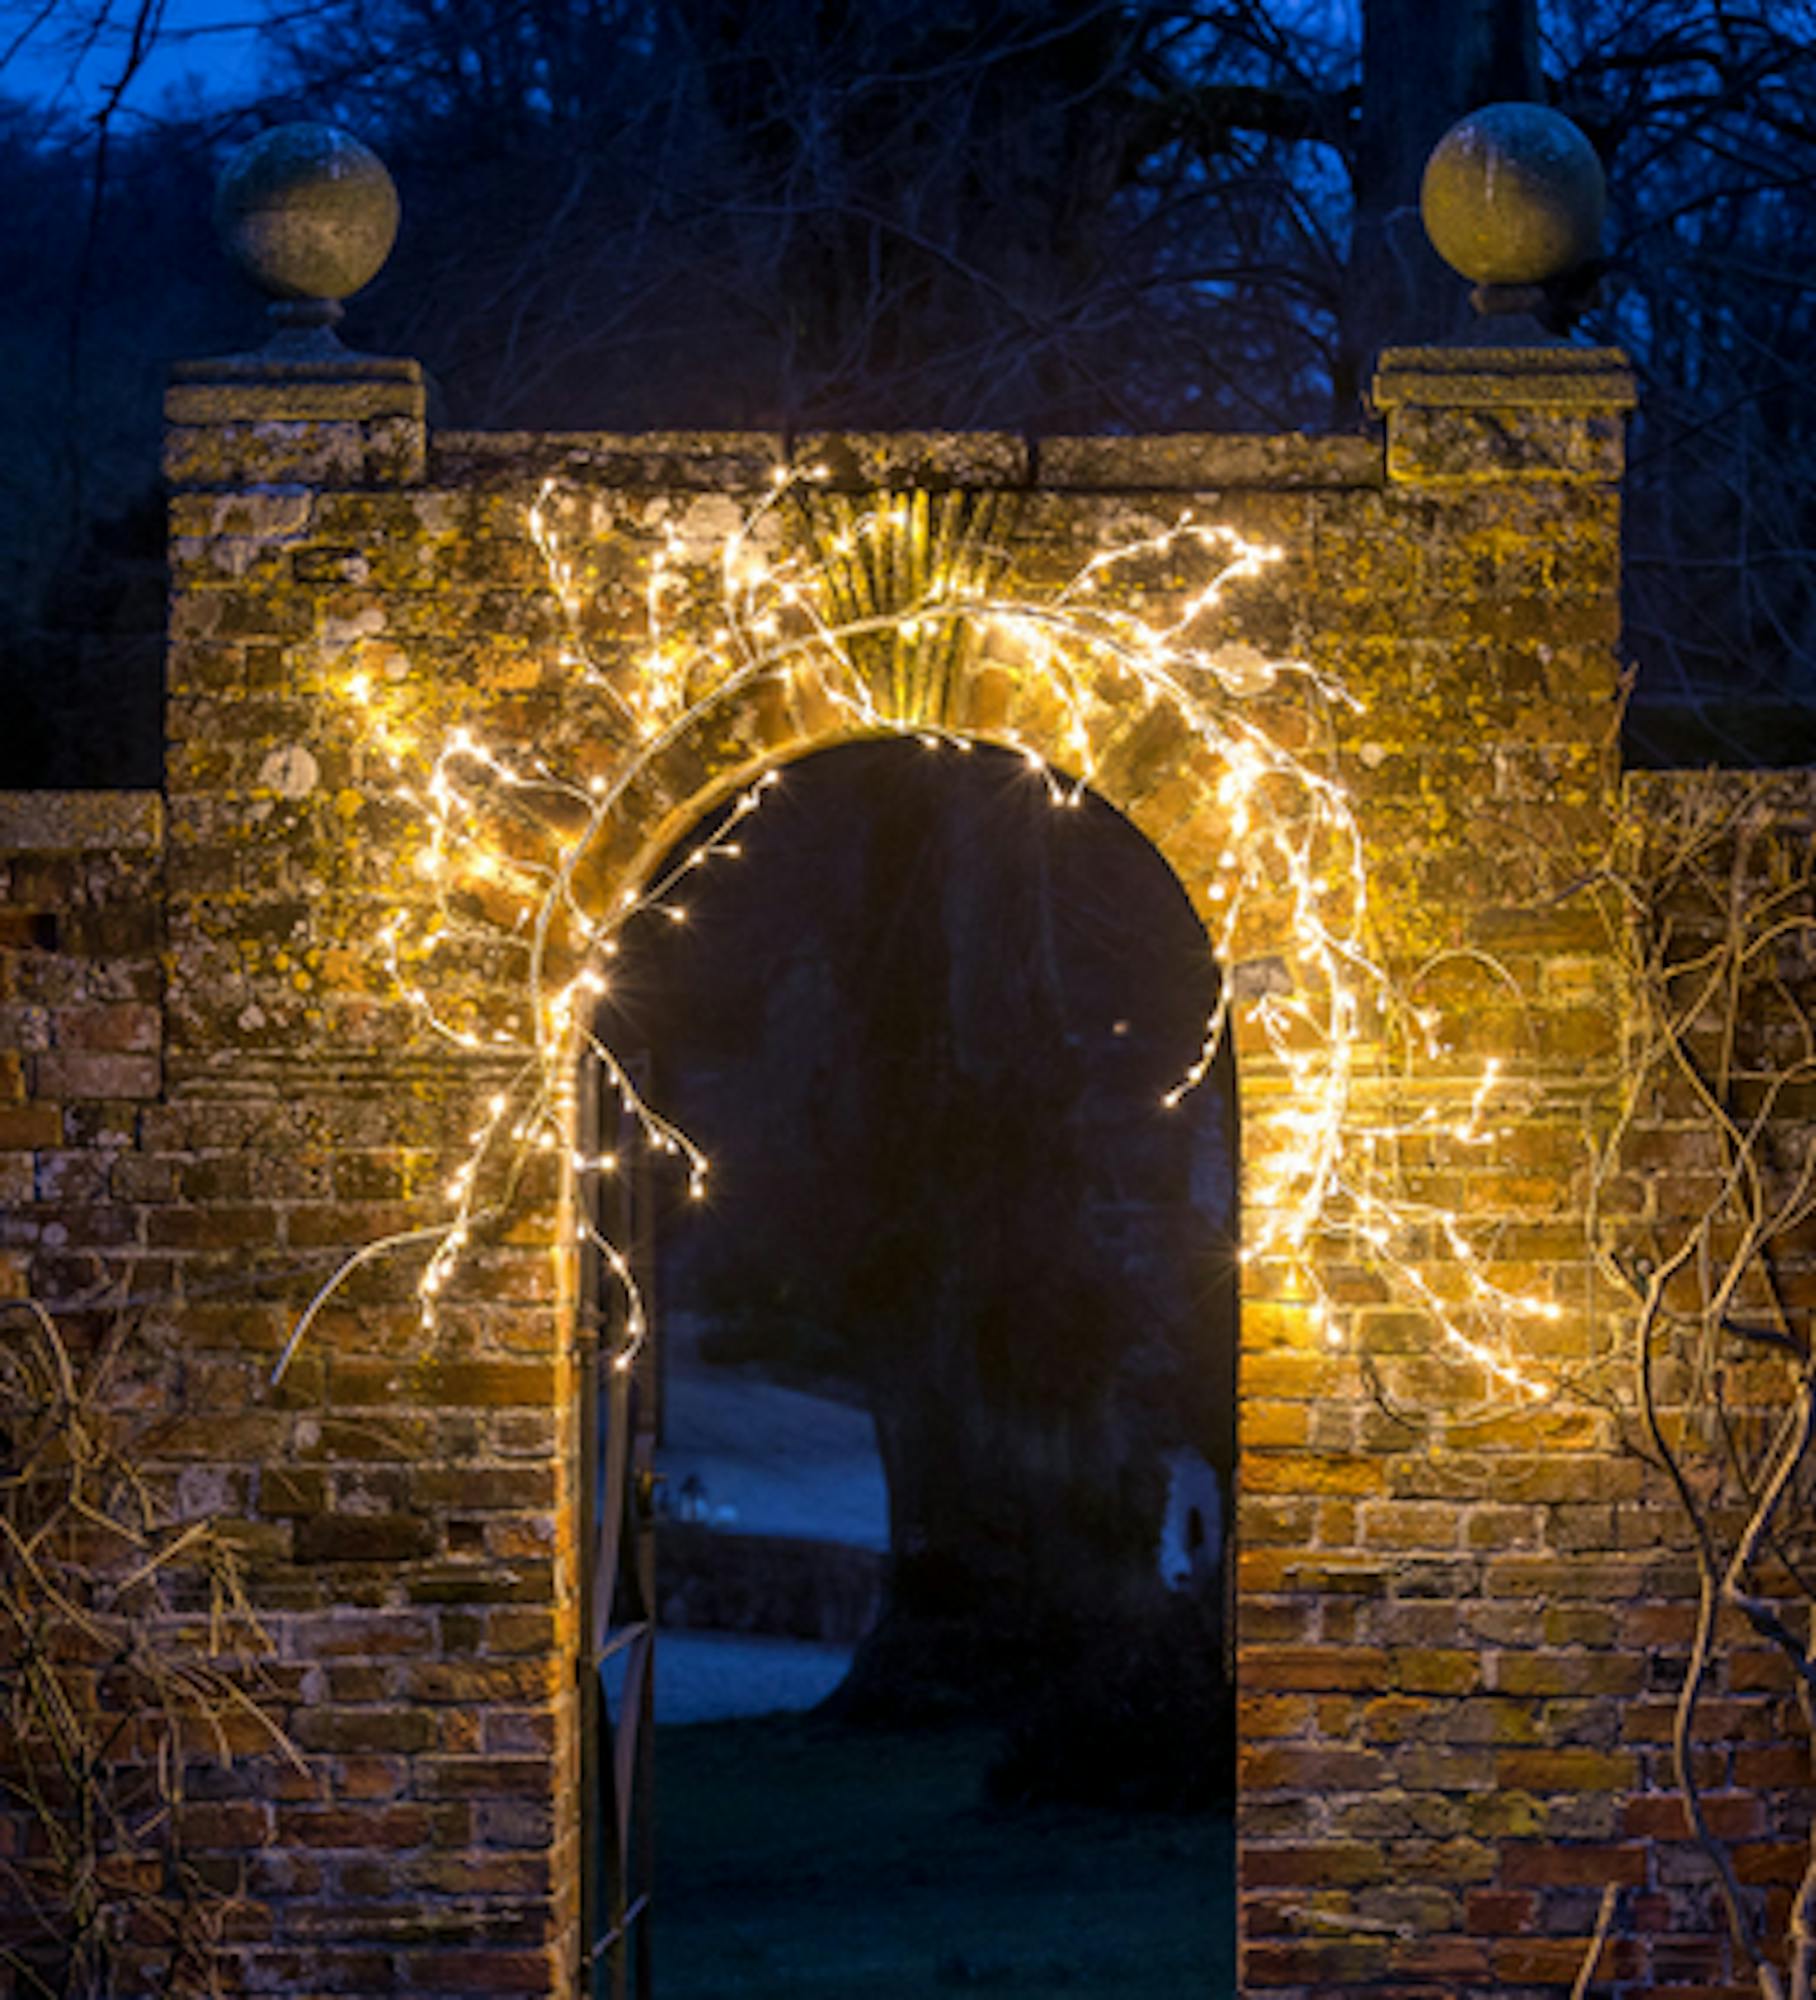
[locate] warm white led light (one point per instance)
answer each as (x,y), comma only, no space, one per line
(497,820)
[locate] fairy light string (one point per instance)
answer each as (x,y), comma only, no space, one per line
(510,861)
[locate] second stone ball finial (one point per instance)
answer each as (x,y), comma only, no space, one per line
(309,214)
(1514,199)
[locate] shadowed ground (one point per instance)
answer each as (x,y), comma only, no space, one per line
(801,1861)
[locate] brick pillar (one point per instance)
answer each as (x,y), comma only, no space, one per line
(1441,1613)
(405,1491)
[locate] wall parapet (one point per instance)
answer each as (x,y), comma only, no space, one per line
(1786,796)
(1472,620)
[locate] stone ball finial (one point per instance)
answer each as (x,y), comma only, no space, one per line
(309,214)
(1513,194)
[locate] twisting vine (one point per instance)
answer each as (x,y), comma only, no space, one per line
(1718,875)
(127,1650)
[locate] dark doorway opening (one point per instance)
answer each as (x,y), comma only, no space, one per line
(956,1710)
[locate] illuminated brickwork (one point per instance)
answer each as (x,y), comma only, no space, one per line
(1458,1604)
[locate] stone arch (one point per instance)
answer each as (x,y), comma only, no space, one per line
(1154,772)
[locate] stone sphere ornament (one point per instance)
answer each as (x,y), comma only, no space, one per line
(309,214)
(1513,194)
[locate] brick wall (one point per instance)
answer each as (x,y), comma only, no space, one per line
(81,1038)
(1457,1616)
(1723,862)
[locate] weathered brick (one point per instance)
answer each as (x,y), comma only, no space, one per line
(487,1384)
(1493,1912)
(355,1827)
(1553,1673)
(124,1027)
(364,1538)
(483,1970)
(24,1127)
(1435,1670)
(59,1074)
(1567,1770)
(1308,1864)
(1557,1961)
(362,1729)
(1313,1669)
(1555,1865)
(1665,1817)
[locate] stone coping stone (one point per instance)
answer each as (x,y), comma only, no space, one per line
(709,461)
(1470,376)
(862,461)
(1206,461)
(865,461)
(854,461)
(262,365)
(80,822)
(262,387)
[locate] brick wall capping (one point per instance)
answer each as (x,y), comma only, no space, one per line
(1468,377)
(717,461)
(712,461)
(81,822)
(861,461)
(339,420)
(259,388)
(688,461)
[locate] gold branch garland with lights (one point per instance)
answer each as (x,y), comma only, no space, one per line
(880,609)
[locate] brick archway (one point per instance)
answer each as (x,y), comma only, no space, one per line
(1406,1597)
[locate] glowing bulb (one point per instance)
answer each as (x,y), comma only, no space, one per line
(1287,826)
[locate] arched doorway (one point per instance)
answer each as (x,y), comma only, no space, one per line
(926,1024)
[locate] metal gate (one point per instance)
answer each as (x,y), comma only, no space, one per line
(618,1571)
